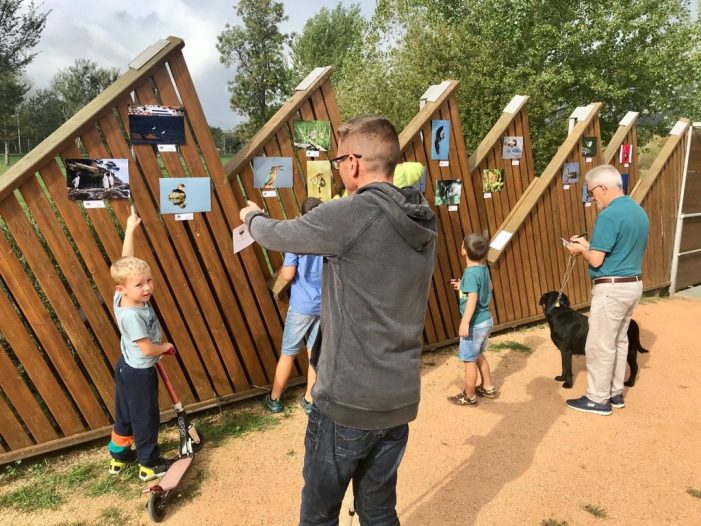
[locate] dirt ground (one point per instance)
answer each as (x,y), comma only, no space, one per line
(524,458)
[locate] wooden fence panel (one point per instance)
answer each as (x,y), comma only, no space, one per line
(58,337)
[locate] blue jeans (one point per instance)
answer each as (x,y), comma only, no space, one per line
(476,342)
(335,455)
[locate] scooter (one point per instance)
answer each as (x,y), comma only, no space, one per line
(190,442)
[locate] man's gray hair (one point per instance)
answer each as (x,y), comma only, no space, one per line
(605,175)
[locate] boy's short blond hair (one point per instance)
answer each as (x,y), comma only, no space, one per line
(127,267)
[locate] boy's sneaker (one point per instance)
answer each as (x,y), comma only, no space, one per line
(462,399)
(490,392)
(275,406)
(587,406)
(617,401)
(117,465)
(159,469)
(307,406)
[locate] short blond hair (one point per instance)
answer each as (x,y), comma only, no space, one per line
(378,139)
(127,267)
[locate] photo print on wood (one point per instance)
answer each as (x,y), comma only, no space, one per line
(512,147)
(588,146)
(180,195)
(626,154)
(492,180)
(153,124)
(319,180)
(448,192)
(440,140)
(272,172)
(312,135)
(624,183)
(585,194)
(96,179)
(570,173)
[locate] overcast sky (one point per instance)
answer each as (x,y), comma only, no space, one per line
(114,33)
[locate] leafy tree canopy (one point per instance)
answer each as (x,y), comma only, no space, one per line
(20,30)
(80,83)
(257,51)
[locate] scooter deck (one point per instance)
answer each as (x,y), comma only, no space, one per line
(172,477)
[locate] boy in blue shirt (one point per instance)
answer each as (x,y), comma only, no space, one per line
(475,289)
(302,319)
(137,416)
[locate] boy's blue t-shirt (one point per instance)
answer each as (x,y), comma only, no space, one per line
(476,279)
(134,324)
(621,230)
(305,291)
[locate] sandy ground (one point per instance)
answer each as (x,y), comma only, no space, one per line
(520,459)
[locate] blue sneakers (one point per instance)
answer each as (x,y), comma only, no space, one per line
(617,401)
(275,406)
(306,405)
(587,406)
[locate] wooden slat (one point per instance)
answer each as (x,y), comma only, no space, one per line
(37,370)
(11,430)
(20,396)
(58,297)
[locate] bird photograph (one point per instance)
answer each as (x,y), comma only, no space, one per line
(177,196)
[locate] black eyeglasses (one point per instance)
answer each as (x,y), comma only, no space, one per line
(590,191)
(336,162)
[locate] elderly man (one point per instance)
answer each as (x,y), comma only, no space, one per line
(615,257)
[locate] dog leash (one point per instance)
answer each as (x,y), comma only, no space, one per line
(568,270)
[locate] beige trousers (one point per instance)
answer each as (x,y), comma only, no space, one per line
(612,307)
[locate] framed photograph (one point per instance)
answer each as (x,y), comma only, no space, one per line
(312,135)
(448,192)
(492,180)
(626,154)
(585,195)
(512,147)
(440,140)
(570,173)
(624,180)
(97,179)
(181,195)
(588,146)
(319,180)
(153,124)
(272,172)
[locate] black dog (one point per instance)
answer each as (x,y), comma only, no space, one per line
(568,330)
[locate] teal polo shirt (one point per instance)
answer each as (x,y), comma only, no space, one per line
(620,231)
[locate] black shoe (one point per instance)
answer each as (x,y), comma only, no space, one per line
(157,470)
(617,401)
(588,406)
(275,406)
(121,460)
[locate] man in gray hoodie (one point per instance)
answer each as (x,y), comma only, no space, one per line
(379,246)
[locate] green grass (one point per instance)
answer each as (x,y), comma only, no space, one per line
(694,493)
(216,429)
(113,515)
(597,512)
(36,495)
(552,522)
(511,345)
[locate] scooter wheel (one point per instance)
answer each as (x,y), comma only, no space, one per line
(156,507)
(196,446)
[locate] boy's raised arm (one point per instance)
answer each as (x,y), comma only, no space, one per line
(133,221)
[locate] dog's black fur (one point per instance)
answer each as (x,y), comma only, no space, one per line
(568,330)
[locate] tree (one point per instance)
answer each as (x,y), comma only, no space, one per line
(19,34)
(330,38)
(12,90)
(40,115)
(80,83)
(256,50)
(640,55)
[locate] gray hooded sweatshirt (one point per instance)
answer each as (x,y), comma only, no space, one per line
(379,246)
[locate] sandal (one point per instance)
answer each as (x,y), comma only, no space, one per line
(487,393)
(462,399)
